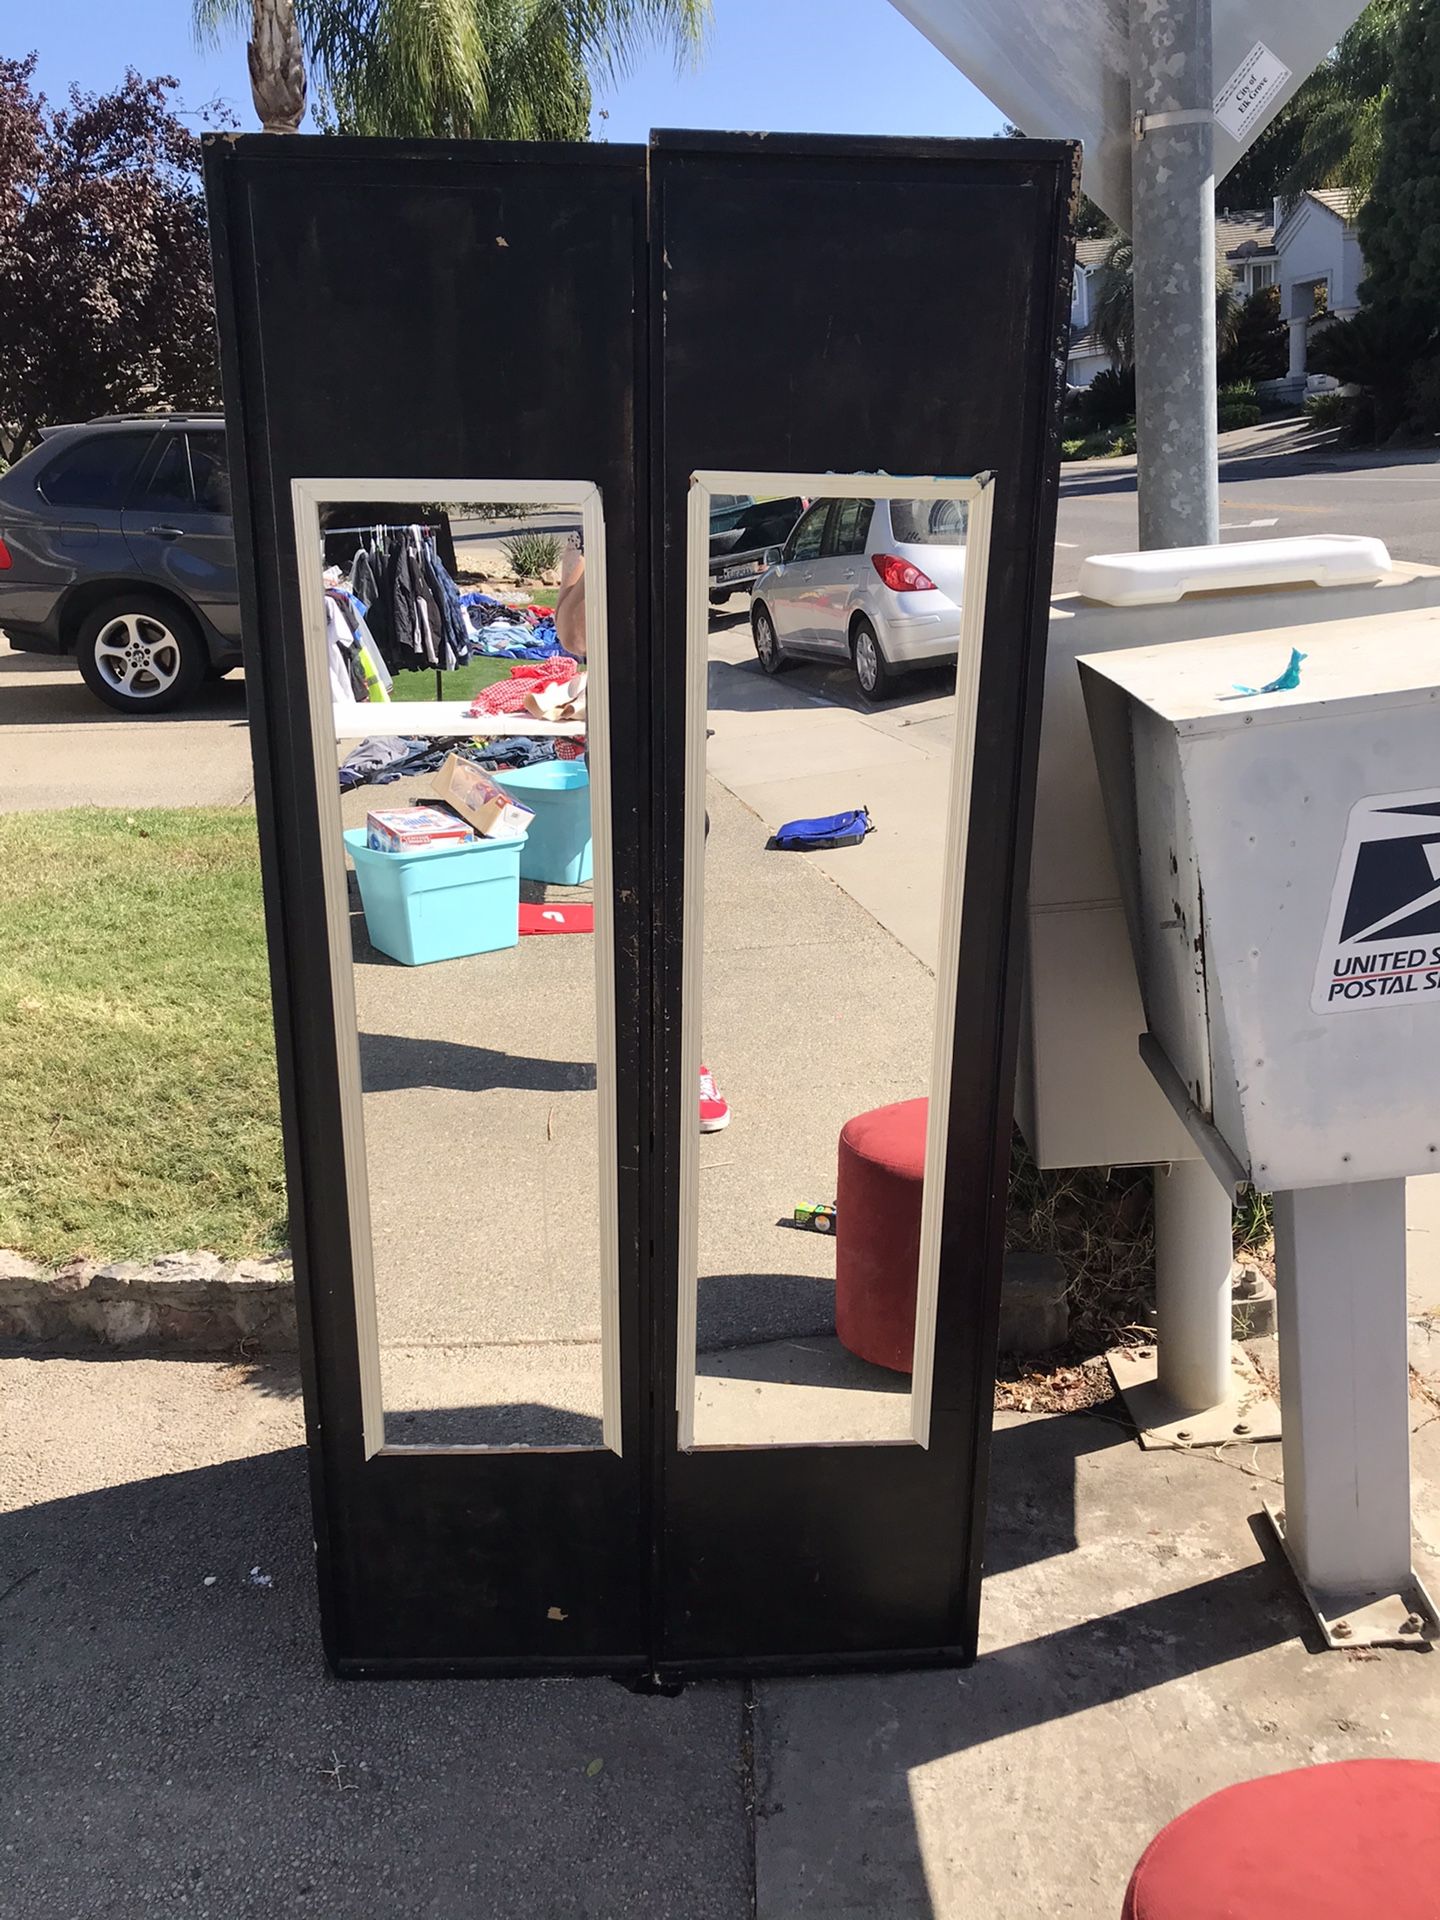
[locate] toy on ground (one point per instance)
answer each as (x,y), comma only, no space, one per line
(819,1215)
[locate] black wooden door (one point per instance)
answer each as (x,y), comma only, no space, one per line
(623,319)
(395,313)
(895,308)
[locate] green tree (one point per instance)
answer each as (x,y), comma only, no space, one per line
(105,300)
(1400,226)
(1328,133)
(1259,346)
(1400,222)
(470,69)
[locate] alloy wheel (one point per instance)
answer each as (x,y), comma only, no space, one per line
(137,655)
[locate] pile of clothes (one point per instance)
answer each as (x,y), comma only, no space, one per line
(380,762)
(509,632)
(509,696)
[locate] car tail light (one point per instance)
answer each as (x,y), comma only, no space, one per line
(901,576)
(5,561)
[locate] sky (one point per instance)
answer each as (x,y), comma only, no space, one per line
(802,66)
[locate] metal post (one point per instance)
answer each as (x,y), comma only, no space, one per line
(1344,1367)
(1173,227)
(1194,1253)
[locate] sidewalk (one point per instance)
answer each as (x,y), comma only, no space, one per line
(59,744)
(1272,438)
(177,1743)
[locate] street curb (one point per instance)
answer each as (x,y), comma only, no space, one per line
(198,1303)
(187,1302)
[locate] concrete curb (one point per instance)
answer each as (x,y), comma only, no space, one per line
(198,1303)
(191,1302)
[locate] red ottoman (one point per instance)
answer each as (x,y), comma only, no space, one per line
(877,1241)
(1356,1839)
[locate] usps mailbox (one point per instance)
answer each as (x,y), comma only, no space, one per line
(1083,1096)
(1279,861)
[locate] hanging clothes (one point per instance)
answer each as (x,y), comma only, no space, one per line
(366,669)
(347,667)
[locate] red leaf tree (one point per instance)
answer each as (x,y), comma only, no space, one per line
(106,302)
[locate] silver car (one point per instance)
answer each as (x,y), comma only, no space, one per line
(877,582)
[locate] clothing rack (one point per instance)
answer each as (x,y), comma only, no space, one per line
(383,526)
(392,526)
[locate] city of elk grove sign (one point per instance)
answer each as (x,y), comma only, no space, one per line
(1060,69)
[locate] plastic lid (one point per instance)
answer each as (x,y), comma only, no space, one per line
(1168,573)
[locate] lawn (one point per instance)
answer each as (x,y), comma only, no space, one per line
(460,683)
(138,1104)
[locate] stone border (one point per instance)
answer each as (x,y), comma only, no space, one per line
(190,1302)
(198,1303)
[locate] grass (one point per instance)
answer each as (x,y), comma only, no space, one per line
(138,1102)
(460,683)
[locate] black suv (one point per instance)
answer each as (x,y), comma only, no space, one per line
(116,545)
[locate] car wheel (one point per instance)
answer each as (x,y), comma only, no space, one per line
(140,653)
(871,669)
(767,641)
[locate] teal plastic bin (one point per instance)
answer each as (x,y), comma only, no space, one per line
(439,903)
(557,846)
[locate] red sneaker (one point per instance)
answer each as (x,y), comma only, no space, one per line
(714,1113)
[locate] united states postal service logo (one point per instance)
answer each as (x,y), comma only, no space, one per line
(1382,934)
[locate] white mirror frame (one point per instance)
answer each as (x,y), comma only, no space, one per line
(979,493)
(330,724)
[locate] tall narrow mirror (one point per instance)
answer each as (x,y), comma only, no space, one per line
(834,646)
(455,646)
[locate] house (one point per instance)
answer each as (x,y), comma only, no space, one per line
(1087,356)
(1307,247)
(1319,267)
(1248,242)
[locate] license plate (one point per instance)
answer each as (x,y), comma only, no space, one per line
(737,573)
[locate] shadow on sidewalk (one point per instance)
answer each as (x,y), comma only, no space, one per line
(397,1062)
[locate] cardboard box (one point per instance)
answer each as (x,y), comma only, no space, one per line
(478,798)
(412,829)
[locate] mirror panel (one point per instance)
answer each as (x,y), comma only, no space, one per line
(456,658)
(834,649)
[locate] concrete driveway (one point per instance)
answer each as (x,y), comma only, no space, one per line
(61,747)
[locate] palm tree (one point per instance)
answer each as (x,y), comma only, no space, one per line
(469,69)
(1114,320)
(1328,134)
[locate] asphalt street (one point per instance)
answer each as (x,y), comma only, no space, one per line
(1267,496)
(60,747)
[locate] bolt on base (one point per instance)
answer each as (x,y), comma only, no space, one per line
(1247,1413)
(1398,1619)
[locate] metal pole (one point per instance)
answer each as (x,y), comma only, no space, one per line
(1194,1254)
(1344,1370)
(1173,228)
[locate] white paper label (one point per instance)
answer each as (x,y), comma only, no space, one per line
(1382,933)
(1241,103)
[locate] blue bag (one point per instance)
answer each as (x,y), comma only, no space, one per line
(830,830)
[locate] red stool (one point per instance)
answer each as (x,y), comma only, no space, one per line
(1355,1839)
(877,1242)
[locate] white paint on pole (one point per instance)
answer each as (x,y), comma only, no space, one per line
(1061,70)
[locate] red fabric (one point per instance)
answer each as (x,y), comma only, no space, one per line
(556,918)
(1349,1841)
(543,673)
(505,696)
(877,1247)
